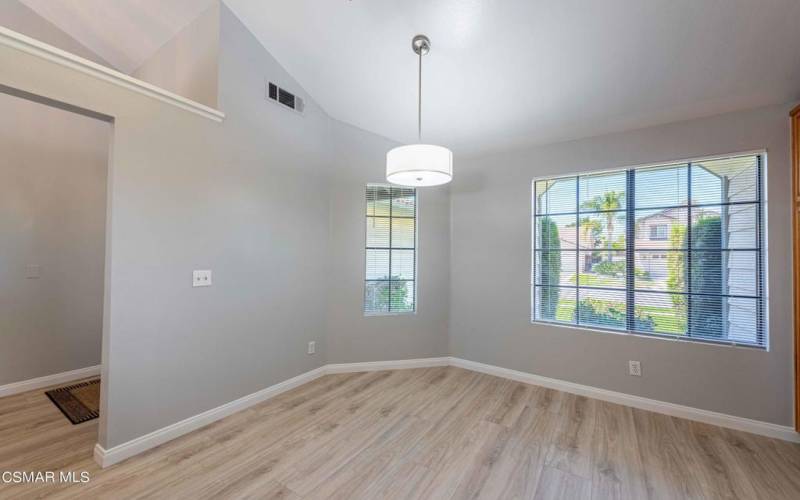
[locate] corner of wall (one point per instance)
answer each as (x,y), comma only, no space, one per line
(188,64)
(19,17)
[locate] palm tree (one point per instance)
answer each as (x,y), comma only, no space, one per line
(606,202)
(591,229)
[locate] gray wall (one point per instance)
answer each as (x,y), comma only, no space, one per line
(360,159)
(490,273)
(246,199)
(187,63)
(52,215)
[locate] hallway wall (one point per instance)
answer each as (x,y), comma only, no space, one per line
(53,171)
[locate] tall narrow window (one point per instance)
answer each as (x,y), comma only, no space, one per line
(391,250)
(665,250)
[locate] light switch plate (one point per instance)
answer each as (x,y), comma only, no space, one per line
(33,271)
(201,277)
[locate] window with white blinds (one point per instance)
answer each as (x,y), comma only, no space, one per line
(675,250)
(391,251)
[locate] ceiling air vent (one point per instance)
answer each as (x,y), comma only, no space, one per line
(284,97)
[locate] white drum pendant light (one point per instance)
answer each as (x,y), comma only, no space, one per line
(418,165)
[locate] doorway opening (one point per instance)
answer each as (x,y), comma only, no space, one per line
(54,171)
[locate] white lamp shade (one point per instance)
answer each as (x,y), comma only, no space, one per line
(419,165)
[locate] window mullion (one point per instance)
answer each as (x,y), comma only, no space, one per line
(391,224)
(689,249)
(759,254)
(578,250)
(630,250)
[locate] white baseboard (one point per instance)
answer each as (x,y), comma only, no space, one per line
(371,366)
(783,432)
(38,383)
(120,452)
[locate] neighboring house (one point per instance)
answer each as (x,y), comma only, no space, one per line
(652,234)
(653,237)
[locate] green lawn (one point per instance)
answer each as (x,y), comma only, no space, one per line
(565,311)
(666,320)
(612,281)
(600,280)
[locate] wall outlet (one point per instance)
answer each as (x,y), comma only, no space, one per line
(201,278)
(33,271)
(312,347)
(635,368)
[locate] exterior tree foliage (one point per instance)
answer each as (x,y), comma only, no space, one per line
(706,310)
(610,200)
(394,291)
(550,263)
(676,266)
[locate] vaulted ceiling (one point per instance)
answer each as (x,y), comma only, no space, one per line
(123,32)
(505,73)
(502,73)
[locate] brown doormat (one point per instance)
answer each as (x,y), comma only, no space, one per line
(79,402)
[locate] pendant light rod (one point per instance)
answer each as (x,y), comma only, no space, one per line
(421,45)
(419,100)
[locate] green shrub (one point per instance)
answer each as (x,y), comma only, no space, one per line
(550,268)
(609,268)
(617,268)
(379,296)
(643,322)
(611,314)
(601,312)
(676,265)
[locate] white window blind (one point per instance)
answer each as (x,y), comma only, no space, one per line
(674,250)
(391,250)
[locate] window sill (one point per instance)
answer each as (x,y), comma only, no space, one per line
(380,314)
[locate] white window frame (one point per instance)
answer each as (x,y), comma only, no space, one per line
(763,226)
(415,281)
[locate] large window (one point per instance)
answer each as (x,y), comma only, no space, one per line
(391,250)
(672,250)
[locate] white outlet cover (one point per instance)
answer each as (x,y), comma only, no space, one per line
(33,271)
(201,277)
(635,368)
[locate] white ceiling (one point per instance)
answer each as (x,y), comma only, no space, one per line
(505,73)
(123,32)
(502,73)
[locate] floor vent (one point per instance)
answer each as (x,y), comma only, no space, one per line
(284,97)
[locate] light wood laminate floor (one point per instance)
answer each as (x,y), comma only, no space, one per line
(426,433)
